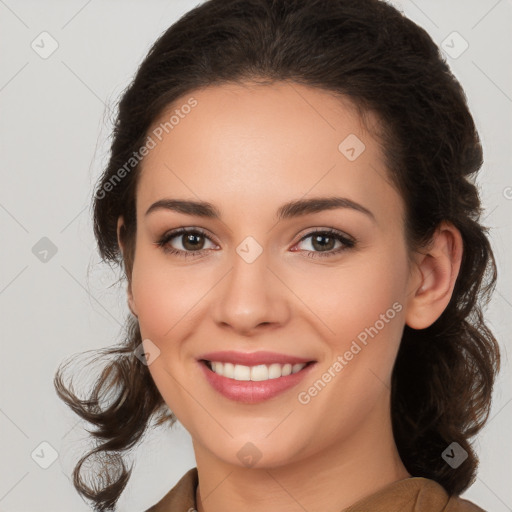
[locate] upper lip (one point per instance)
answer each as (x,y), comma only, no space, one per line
(252,358)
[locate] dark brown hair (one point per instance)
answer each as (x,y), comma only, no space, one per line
(368,52)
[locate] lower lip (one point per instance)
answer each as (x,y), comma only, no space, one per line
(251,392)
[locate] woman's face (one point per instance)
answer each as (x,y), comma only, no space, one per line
(261,277)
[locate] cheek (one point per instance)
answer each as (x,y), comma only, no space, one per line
(361,313)
(168,296)
(362,307)
(160,295)
(353,297)
(164,297)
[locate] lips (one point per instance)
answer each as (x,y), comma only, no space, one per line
(237,384)
(252,358)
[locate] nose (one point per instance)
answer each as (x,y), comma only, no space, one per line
(251,298)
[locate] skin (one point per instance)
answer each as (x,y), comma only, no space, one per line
(247,149)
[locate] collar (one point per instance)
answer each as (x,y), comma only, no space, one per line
(415,494)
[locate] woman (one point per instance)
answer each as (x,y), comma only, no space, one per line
(290,193)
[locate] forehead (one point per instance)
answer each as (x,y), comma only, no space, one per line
(257,144)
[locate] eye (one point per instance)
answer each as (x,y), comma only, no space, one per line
(190,242)
(322,243)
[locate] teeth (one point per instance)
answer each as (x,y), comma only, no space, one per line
(259,372)
(255,373)
(241,372)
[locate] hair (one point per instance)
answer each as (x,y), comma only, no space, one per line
(369,53)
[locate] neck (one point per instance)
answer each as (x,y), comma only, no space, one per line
(330,480)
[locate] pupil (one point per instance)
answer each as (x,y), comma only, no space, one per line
(320,245)
(189,241)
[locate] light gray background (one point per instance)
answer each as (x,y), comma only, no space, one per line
(56,115)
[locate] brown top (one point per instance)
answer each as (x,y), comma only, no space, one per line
(414,494)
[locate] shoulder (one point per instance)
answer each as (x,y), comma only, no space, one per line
(457,504)
(415,494)
(430,491)
(181,497)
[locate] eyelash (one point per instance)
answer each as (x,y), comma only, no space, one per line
(348,243)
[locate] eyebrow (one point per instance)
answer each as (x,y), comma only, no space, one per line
(288,210)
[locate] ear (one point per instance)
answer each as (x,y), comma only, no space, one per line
(131,302)
(435,276)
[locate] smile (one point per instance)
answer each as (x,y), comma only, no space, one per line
(258,373)
(253,377)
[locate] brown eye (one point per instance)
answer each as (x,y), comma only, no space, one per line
(192,241)
(185,242)
(323,243)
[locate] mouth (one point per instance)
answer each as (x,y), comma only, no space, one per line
(253,377)
(257,373)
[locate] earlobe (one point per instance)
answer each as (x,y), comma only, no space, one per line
(131,302)
(438,267)
(120,227)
